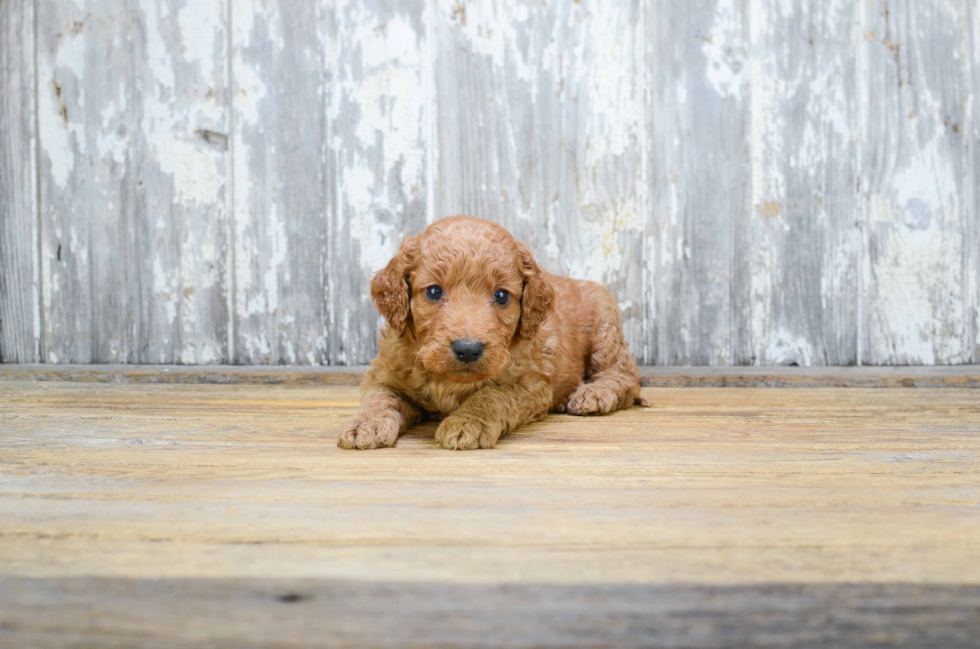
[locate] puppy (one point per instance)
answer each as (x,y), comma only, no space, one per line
(482,338)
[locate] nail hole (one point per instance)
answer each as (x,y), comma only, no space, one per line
(217,141)
(292,598)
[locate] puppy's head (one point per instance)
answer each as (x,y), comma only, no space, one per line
(466,289)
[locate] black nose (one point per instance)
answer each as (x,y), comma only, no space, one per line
(468,350)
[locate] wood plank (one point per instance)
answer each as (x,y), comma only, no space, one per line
(945,376)
(182,100)
(282,75)
(958,376)
(380,143)
(803,221)
(540,128)
(19,312)
(917,174)
(700,183)
(318,613)
(707,486)
(90,306)
(972,247)
(187,374)
(133,140)
(208,515)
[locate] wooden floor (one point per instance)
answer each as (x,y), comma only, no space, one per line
(224,515)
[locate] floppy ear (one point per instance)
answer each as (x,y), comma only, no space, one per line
(390,291)
(537,301)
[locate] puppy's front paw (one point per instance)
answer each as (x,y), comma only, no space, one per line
(459,434)
(591,399)
(370,431)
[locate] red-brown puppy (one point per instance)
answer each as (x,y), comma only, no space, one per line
(481,337)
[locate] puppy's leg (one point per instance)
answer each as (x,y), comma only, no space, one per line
(614,379)
(494,411)
(383,416)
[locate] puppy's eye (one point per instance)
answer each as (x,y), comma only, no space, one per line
(501,297)
(434,293)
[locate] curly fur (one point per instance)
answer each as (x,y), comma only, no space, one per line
(557,346)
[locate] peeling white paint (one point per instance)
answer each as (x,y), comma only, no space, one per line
(381,136)
(606,259)
(196,177)
(614,100)
(113,137)
(388,93)
(62,132)
(165,289)
(279,248)
(724,49)
(917,304)
(766,178)
(785,348)
(199,21)
(261,242)
(548,133)
(250,89)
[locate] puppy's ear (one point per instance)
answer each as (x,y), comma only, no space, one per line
(537,301)
(390,291)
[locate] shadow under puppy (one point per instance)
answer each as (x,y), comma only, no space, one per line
(481,337)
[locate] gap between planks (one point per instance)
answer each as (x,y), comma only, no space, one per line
(947,376)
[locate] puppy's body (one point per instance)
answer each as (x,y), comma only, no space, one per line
(555,344)
(586,328)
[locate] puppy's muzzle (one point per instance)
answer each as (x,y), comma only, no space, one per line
(467,350)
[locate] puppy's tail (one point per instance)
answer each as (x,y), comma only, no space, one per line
(640,401)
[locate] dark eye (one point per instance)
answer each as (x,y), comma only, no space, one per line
(434,293)
(501,297)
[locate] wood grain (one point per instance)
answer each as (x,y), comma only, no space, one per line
(380,112)
(700,182)
(133,140)
(803,227)
(916,173)
(321,613)
(19,310)
(781,517)
(541,128)
(758,182)
(708,486)
(972,249)
(281,71)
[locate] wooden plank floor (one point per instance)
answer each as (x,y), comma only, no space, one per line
(224,515)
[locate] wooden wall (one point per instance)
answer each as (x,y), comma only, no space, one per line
(759,181)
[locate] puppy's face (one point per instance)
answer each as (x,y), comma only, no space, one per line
(465,288)
(466,305)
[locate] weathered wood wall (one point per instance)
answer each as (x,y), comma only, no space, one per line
(760,181)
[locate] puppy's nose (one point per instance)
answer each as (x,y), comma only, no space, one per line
(468,350)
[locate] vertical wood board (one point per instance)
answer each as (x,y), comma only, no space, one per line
(803,224)
(699,179)
(380,114)
(540,128)
(916,176)
(281,81)
(20,326)
(133,137)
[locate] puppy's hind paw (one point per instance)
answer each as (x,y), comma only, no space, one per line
(592,399)
(364,432)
